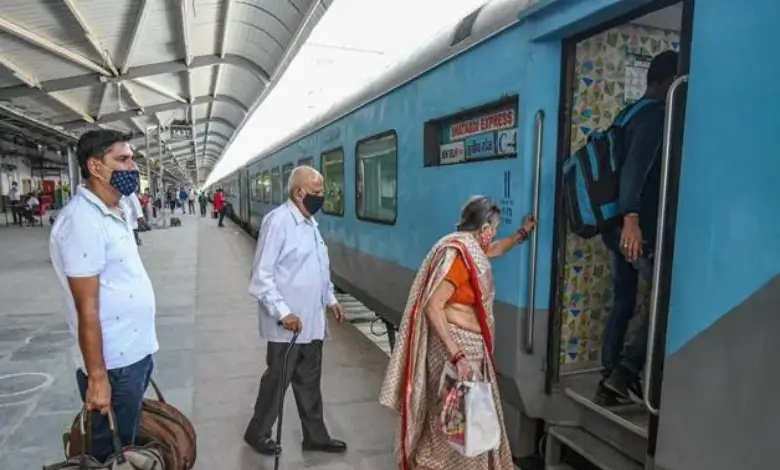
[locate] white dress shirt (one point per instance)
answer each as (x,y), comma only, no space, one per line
(89,239)
(134,210)
(291,274)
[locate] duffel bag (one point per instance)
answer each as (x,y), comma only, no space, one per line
(160,422)
(146,457)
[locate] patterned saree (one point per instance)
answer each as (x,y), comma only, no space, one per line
(412,378)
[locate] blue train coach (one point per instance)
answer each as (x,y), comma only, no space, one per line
(492,106)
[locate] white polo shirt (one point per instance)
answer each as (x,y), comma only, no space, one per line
(88,240)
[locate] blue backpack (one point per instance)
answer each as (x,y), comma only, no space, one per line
(591,177)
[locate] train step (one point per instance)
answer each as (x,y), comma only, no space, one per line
(588,446)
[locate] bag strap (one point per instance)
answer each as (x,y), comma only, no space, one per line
(157,391)
(632,111)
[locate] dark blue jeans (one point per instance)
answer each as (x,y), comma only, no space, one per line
(625,279)
(128,385)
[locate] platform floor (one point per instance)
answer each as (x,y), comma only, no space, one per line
(209,363)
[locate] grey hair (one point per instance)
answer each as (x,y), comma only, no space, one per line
(478,211)
(296,174)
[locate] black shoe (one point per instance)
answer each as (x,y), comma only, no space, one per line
(265,446)
(606,397)
(624,383)
(333,446)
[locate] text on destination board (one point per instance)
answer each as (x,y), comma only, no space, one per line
(491,122)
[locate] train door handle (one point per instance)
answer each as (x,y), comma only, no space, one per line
(655,292)
(534,237)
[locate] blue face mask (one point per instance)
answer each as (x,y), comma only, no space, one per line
(126,182)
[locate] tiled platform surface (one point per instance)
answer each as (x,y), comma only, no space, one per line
(209,364)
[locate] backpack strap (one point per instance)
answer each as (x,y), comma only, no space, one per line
(632,111)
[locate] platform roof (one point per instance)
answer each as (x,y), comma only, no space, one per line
(70,65)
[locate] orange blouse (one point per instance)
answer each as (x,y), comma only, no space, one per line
(459,277)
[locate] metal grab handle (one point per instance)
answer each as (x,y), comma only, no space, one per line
(655,292)
(534,241)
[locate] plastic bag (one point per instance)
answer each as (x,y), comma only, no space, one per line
(468,419)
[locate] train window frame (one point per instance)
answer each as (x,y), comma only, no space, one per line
(308,161)
(357,179)
(432,131)
(266,175)
(286,178)
(343,177)
(276,198)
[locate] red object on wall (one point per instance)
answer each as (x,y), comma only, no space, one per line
(47,187)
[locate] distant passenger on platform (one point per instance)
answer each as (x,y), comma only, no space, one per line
(203,201)
(31,208)
(291,281)
(219,205)
(183,200)
(15,199)
(191,200)
(449,318)
(109,296)
(633,245)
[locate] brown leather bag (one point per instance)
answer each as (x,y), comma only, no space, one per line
(160,422)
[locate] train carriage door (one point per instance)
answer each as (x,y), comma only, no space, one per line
(602,307)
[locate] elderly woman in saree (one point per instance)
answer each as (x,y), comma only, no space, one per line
(448,317)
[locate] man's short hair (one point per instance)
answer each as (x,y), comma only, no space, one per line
(662,67)
(95,144)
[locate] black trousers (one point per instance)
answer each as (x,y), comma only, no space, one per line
(221,217)
(304,370)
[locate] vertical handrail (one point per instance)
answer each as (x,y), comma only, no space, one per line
(534,241)
(655,292)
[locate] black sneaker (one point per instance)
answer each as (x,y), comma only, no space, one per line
(627,385)
(606,397)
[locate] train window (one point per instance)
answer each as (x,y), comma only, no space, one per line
(488,132)
(286,172)
(276,186)
(376,173)
(308,161)
(257,190)
(332,165)
(266,184)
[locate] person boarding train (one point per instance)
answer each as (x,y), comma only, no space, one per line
(291,281)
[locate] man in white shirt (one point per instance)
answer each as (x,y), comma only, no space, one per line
(291,280)
(109,296)
(15,198)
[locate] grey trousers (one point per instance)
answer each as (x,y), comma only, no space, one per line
(304,371)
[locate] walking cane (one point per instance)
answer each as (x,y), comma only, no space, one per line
(283,387)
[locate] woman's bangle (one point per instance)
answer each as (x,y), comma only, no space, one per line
(457,357)
(522,235)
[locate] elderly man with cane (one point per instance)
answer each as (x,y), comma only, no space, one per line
(291,280)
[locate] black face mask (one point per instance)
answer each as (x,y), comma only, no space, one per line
(313,203)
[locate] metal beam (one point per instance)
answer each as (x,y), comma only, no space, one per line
(47,44)
(160,89)
(157,108)
(139,21)
(33,82)
(33,137)
(210,145)
(185,31)
(93,40)
(177,66)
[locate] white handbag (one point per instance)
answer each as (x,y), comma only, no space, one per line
(469,420)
